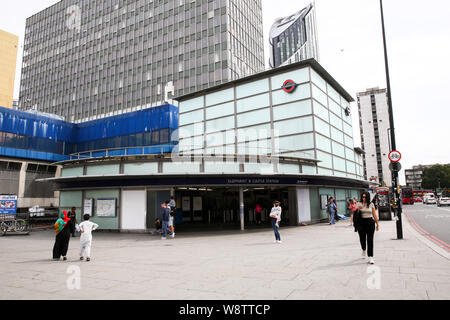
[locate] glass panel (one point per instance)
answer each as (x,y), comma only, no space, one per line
(348,142)
(220,110)
(349,154)
(333,94)
(348,129)
(287,168)
(253,103)
(306,154)
(323,143)
(221,150)
(334,107)
(258,168)
(191,117)
(220,96)
(254,133)
(339,164)
(318,80)
(191,104)
(252,88)
(191,143)
(338,150)
(291,110)
(321,111)
(103,170)
(325,158)
(140,168)
(191,130)
(337,135)
(262,147)
(181,167)
(336,121)
(309,169)
(302,92)
(322,127)
(351,167)
(222,167)
(324,172)
(293,126)
(220,124)
(297,142)
(319,95)
(298,76)
(220,138)
(254,117)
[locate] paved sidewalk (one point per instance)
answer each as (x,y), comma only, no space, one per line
(313,262)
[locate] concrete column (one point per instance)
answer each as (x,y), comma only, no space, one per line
(22,178)
(241,207)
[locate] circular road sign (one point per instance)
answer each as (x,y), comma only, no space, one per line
(395,166)
(289,86)
(395,156)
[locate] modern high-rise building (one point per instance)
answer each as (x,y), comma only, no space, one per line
(374,125)
(91,59)
(294,38)
(8,60)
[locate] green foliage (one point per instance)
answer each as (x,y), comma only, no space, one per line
(432,176)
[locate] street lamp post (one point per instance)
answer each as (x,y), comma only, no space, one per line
(395,182)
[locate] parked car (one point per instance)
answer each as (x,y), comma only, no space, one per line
(418,199)
(429,199)
(444,200)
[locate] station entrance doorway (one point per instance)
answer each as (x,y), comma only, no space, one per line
(220,206)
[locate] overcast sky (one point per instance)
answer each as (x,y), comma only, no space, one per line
(350,46)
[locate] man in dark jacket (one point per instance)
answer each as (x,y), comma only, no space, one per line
(73,220)
(165,214)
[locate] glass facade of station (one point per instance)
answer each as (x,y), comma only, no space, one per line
(260,118)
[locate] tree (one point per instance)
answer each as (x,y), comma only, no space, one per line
(438,175)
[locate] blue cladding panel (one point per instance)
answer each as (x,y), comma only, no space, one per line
(30,132)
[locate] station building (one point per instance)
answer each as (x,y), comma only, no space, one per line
(284,134)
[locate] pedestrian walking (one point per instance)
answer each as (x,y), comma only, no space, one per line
(365,221)
(275,218)
(332,211)
(352,209)
(62,229)
(165,213)
(258,211)
(86,228)
(73,221)
(172,207)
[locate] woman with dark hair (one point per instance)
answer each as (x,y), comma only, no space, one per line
(365,223)
(62,228)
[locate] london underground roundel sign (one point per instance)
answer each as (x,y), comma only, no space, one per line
(289,86)
(395,156)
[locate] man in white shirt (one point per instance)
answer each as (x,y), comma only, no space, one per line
(86,228)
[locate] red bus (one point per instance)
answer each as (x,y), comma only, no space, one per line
(407,195)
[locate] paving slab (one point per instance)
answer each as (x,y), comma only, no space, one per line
(313,262)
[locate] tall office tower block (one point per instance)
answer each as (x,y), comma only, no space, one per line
(374,124)
(89,59)
(294,38)
(8,60)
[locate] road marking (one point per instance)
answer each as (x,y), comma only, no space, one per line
(425,233)
(443,242)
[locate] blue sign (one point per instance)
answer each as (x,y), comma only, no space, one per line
(8,204)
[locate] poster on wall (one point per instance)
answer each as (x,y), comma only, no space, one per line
(186,204)
(87,207)
(106,207)
(198,204)
(8,207)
